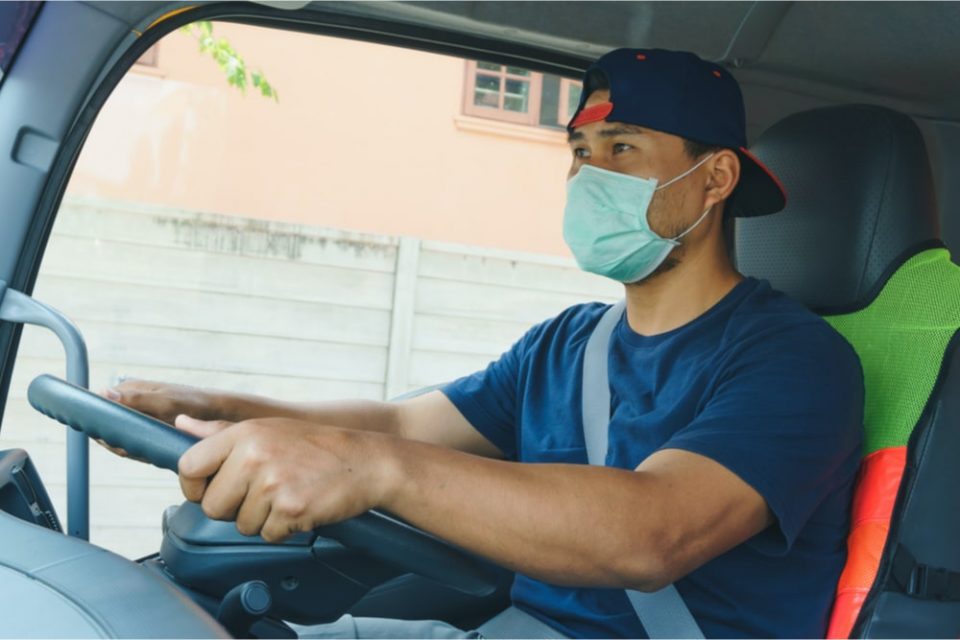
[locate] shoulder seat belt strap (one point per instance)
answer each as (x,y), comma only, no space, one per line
(663,613)
(516,623)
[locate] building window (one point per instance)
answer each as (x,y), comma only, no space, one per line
(570,91)
(517,95)
(502,92)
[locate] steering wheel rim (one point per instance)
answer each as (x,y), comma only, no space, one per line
(377,534)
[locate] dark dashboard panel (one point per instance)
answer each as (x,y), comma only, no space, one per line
(22,493)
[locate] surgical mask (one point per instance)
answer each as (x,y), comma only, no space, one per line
(606,227)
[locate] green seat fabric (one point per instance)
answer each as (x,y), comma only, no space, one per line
(901,338)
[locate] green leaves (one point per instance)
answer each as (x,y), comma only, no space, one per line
(229,60)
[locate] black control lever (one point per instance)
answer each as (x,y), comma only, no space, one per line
(243,606)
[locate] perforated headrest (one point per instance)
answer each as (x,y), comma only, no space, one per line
(860,196)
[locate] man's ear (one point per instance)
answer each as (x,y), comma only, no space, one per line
(723,175)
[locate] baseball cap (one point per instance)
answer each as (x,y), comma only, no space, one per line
(677,92)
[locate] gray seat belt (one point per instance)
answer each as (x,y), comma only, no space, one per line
(663,613)
(517,623)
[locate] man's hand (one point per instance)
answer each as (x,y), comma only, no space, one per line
(166,401)
(567,524)
(278,476)
(163,401)
(429,418)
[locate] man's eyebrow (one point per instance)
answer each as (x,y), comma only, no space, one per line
(618,130)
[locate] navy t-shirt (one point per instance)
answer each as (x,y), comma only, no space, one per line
(757,383)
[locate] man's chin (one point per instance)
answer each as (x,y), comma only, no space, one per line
(667,265)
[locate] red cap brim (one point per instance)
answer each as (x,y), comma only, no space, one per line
(596,113)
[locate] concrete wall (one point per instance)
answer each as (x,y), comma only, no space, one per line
(294,311)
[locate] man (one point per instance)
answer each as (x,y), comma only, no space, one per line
(735,423)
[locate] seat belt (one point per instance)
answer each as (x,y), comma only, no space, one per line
(663,613)
(517,623)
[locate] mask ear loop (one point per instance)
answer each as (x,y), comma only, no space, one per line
(679,177)
(685,173)
(694,226)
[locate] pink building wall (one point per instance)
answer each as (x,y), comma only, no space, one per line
(364,137)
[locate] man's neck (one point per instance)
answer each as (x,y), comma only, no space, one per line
(676,297)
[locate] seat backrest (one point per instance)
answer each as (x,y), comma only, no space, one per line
(859,243)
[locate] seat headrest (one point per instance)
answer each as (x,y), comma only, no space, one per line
(860,198)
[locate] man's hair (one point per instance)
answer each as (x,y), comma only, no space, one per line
(596,80)
(696,149)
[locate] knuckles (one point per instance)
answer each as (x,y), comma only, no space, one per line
(255,446)
(189,464)
(278,530)
(192,490)
(271,534)
(215,511)
(246,528)
(272,483)
(290,505)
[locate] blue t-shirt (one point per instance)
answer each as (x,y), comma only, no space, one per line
(757,383)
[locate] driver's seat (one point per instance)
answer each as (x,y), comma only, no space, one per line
(859,243)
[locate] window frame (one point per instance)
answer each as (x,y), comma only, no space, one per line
(563,118)
(531,117)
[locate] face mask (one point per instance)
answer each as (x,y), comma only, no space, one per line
(606,227)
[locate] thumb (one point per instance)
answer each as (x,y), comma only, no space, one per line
(200,428)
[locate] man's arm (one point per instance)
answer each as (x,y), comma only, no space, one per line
(564,524)
(579,525)
(430,417)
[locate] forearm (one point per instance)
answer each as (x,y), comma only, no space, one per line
(362,415)
(429,418)
(572,525)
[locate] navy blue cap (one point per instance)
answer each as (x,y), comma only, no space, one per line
(676,92)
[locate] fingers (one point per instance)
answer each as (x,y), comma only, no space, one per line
(272,509)
(120,452)
(232,479)
(201,461)
(279,525)
(226,490)
(193,488)
(111,394)
(140,395)
(275,528)
(200,428)
(265,474)
(253,512)
(115,450)
(158,399)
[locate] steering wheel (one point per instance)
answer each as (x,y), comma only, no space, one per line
(376,534)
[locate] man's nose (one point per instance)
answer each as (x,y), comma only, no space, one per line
(600,162)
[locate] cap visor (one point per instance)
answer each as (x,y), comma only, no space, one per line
(760,192)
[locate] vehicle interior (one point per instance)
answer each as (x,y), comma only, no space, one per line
(853,105)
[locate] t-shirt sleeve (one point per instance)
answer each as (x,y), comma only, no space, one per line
(488,399)
(786,416)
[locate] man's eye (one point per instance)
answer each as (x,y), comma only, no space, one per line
(620,147)
(580,152)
